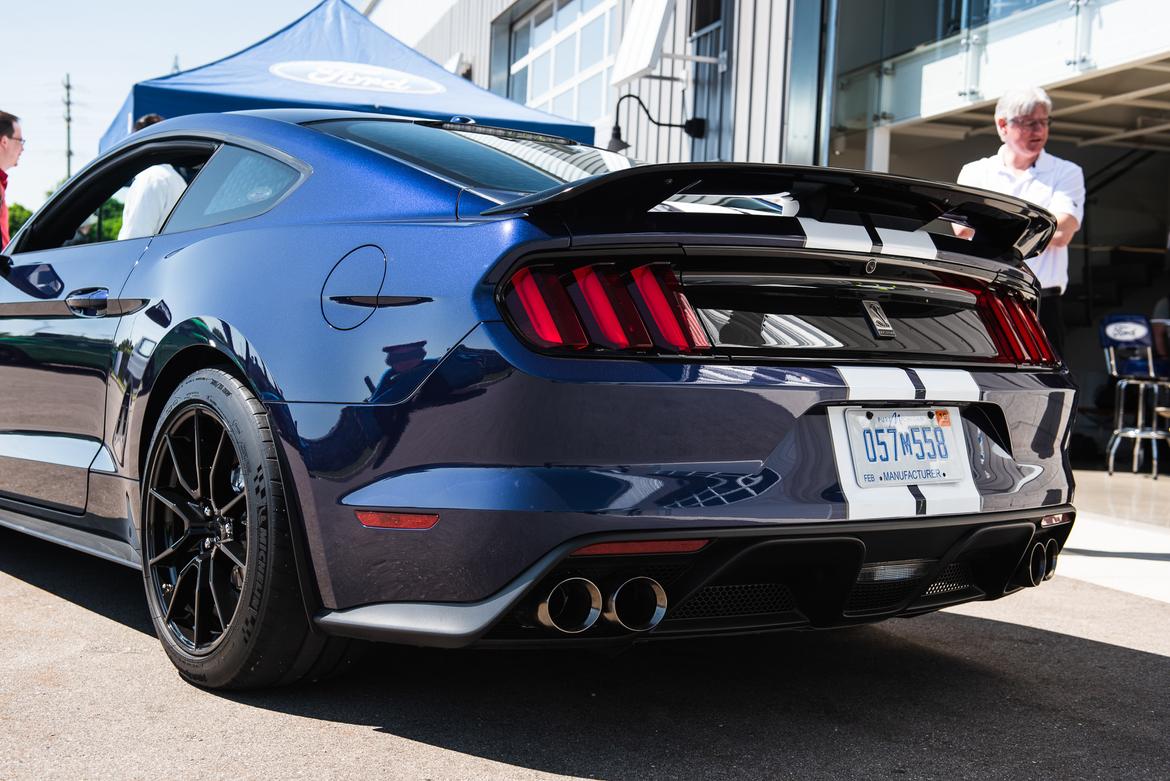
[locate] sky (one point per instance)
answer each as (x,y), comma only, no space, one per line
(107,47)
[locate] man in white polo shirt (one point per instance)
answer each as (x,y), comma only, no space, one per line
(1022,168)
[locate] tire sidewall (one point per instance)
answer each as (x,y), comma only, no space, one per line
(224,396)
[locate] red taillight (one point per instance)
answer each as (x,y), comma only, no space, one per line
(610,314)
(1008,340)
(1030,325)
(642,547)
(376,519)
(1012,325)
(596,306)
(548,317)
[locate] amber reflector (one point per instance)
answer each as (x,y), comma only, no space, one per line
(1054,520)
(380,520)
(640,547)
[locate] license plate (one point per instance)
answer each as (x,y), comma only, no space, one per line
(905,446)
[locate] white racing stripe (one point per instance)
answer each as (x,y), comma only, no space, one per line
(881,383)
(948,385)
(832,235)
(908,244)
(877,383)
(862,503)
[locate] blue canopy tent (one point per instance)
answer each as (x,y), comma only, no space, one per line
(332,57)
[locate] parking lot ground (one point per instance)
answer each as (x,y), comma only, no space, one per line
(1066,681)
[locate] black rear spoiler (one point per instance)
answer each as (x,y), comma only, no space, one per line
(1006,228)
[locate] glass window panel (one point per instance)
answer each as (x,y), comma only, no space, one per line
(567,12)
(589,104)
(613,30)
(589,5)
(593,42)
(562,104)
(541,70)
(521,40)
(447,153)
(518,87)
(542,26)
(566,61)
(234,185)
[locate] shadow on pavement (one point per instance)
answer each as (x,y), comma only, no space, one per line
(943,695)
(99,586)
(939,696)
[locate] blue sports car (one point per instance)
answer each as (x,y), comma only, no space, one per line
(435,383)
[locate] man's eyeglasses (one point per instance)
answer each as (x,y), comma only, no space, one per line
(1031,125)
(19,140)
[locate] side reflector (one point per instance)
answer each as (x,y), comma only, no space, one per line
(1056,520)
(380,520)
(640,547)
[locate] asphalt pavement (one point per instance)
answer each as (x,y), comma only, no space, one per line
(1070,680)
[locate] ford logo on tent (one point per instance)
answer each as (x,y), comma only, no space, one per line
(353,75)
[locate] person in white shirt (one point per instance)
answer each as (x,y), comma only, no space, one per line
(152,195)
(1022,168)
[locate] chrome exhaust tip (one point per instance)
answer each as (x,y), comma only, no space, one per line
(1037,564)
(571,606)
(1051,551)
(637,605)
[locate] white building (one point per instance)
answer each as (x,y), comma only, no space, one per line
(906,86)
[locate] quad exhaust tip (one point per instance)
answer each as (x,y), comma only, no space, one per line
(1038,564)
(571,606)
(1051,551)
(637,605)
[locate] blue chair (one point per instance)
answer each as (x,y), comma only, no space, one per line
(1129,357)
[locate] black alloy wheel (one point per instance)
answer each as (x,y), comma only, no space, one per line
(196,544)
(218,564)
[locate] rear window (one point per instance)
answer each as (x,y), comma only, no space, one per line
(482,158)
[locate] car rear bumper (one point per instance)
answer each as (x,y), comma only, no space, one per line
(742,581)
(523,455)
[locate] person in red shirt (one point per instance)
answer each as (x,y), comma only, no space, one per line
(11,146)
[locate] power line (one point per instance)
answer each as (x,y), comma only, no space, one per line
(68,128)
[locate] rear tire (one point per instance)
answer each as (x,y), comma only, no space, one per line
(217,556)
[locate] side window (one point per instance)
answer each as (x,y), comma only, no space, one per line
(234,185)
(126,196)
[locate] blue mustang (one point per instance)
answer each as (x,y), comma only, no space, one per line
(443,384)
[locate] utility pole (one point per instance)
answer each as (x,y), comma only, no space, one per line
(68,128)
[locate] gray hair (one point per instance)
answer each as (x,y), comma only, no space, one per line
(1021,101)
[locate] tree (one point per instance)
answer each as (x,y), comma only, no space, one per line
(17,216)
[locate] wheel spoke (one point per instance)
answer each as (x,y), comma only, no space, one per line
(174,548)
(173,502)
(211,472)
(178,471)
(179,581)
(198,598)
(215,594)
(198,460)
(227,551)
(227,507)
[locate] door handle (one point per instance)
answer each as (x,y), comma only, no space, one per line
(88,302)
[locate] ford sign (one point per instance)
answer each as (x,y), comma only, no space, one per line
(353,75)
(1126,331)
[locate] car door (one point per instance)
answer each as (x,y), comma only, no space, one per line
(59,316)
